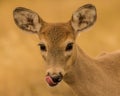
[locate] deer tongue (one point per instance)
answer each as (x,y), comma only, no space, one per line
(50,81)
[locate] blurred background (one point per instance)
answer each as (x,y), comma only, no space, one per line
(22,69)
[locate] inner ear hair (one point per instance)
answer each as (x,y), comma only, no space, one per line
(27,20)
(84,17)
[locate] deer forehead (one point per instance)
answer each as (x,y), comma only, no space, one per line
(56,33)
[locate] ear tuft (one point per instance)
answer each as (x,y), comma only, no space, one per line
(84,17)
(27,20)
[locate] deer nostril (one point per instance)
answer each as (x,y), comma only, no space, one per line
(60,74)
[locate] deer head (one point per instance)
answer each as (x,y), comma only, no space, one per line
(57,41)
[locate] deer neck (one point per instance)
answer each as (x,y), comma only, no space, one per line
(82,73)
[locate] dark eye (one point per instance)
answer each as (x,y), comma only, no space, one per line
(42,47)
(69,47)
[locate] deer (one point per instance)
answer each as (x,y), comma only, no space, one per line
(65,60)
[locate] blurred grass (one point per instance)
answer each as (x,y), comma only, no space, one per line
(21,67)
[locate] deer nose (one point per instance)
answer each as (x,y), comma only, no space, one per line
(56,77)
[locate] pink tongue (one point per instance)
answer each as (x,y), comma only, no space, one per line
(50,81)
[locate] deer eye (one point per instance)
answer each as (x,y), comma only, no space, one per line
(69,47)
(42,47)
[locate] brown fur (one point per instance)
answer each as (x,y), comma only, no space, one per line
(87,76)
(95,77)
(56,32)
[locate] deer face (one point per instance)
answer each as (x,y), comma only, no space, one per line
(57,41)
(56,45)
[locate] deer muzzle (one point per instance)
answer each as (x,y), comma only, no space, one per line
(54,79)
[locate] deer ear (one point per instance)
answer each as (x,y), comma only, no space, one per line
(84,17)
(27,19)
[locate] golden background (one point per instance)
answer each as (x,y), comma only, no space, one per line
(21,68)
